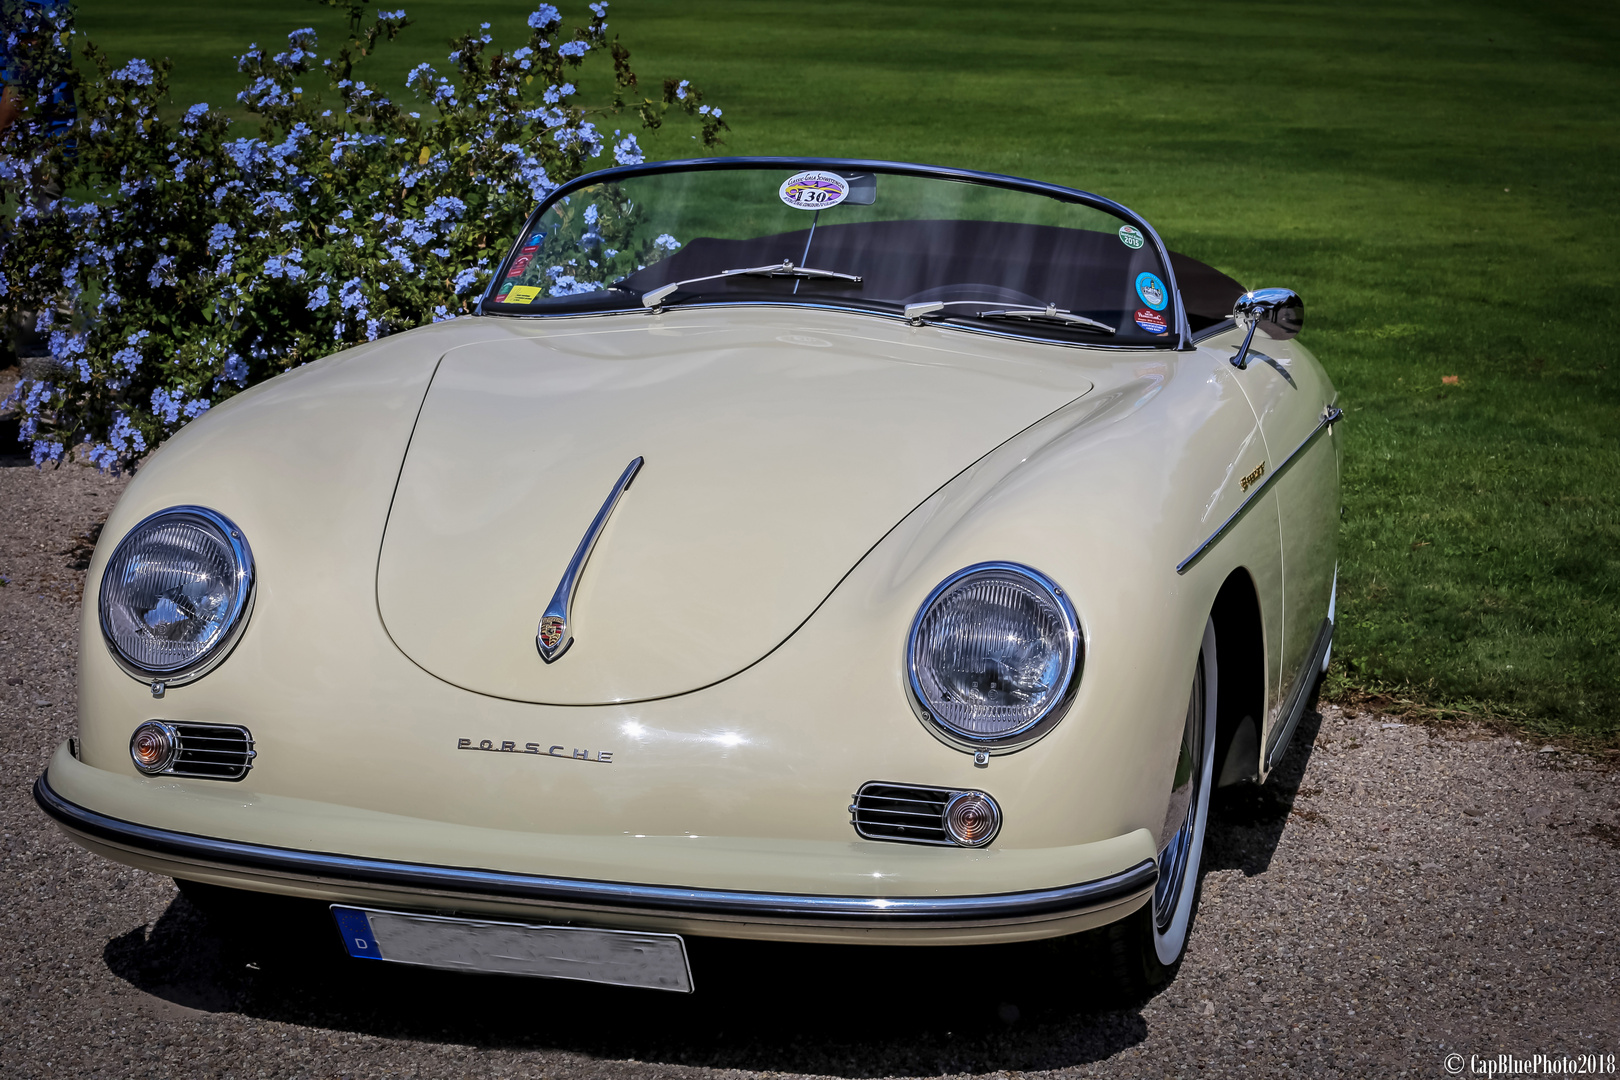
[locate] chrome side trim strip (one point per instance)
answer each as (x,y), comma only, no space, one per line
(1277,746)
(1330,416)
(555,633)
(455,881)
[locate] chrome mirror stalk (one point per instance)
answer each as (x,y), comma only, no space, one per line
(1281,310)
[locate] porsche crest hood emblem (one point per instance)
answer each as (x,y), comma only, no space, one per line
(551,632)
(553,637)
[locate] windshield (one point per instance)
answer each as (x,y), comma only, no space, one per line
(932,248)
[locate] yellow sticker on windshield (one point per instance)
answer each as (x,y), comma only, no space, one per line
(522,294)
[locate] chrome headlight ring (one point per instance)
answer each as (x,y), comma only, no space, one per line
(1008,669)
(176,595)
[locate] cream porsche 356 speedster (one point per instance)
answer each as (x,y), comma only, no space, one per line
(825,551)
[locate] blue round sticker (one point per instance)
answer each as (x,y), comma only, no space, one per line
(1152,291)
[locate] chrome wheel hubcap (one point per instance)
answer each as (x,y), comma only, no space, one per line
(1183,811)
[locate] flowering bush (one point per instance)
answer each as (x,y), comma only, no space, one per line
(187,261)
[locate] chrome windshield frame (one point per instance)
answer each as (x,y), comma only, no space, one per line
(1183,335)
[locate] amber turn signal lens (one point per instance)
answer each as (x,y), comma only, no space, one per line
(154,746)
(972,818)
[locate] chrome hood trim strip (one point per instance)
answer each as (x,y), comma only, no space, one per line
(608,895)
(555,633)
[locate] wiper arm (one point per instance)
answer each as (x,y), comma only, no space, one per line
(1050,313)
(785,268)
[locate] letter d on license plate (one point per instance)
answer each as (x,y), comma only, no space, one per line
(616,957)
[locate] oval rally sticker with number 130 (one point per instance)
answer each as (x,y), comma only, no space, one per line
(814,190)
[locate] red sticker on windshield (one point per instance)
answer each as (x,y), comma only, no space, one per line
(520,264)
(1151,321)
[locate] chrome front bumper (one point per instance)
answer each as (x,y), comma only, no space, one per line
(713,912)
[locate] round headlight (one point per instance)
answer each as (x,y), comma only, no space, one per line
(994,655)
(176,594)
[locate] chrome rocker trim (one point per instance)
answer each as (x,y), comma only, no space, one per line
(1299,695)
(602,895)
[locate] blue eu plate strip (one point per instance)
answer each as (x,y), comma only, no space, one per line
(356,931)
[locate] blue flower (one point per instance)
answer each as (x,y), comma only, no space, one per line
(136,71)
(236,370)
(123,436)
(533,174)
(573,49)
(351,294)
(627,151)
(162,272)
(272,200)
(319,298)
(400,257)
(545,17)
(166,405)
(443,209)
(303,49)
(666,242)
(130,355)
(285,266)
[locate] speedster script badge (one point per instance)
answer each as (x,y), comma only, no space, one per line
(551,631)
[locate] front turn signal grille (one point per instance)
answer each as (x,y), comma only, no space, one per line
(916,814)
(212,751)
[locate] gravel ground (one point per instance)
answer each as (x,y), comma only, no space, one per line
(1396,896)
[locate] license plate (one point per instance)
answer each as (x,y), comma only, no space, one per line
(616,957)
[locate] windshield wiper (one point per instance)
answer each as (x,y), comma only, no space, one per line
(785,268)
(1050,313)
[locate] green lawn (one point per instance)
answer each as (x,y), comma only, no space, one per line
(1438,180)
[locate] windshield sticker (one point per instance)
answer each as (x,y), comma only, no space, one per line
(1152,291)
(1130,236)
(814,190)
(1151,321)
(521,263)
(524,294)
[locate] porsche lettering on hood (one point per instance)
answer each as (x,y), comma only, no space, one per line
(771,468)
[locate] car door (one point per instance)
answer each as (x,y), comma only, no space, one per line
(1292,398)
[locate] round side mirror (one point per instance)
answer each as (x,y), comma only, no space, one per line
(1278,312)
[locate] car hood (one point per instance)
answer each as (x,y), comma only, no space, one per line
(778,450)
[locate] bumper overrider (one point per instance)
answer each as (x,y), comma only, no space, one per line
(354,879)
